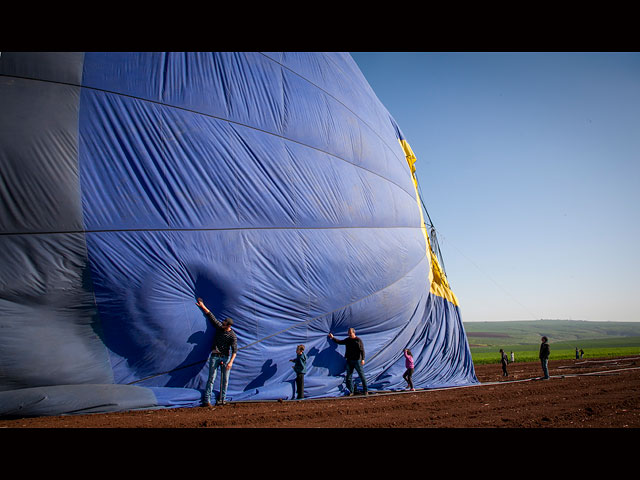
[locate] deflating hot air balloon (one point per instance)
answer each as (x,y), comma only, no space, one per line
(274,186)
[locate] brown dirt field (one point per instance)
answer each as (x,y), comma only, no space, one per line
(591,393)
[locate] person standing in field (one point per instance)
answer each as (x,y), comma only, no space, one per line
(544,357)
(354,355)
(503,361)
(513,358)
(300,367)
(223,353)
(409,364)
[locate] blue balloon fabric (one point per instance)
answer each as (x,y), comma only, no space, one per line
(274,186)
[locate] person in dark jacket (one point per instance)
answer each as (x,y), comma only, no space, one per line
(544,357)
(354,355)
(300,367)
(503,361)
(225,343)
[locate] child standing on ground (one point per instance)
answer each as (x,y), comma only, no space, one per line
(300,367)
(408,362)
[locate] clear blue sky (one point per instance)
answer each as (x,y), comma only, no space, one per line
(529,166)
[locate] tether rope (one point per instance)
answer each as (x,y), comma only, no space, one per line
(454,387)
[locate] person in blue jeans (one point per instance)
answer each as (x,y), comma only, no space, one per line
(544,357)
(354,355)
(223,353)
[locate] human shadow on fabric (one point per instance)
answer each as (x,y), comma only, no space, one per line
(328,358)
(194,362)
(268,370)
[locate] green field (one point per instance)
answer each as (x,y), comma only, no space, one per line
(597,339)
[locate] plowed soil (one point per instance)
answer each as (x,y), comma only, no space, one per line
(592,393)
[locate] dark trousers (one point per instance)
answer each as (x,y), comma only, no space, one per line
(351,365)
(300,386)
(407,376)
(504,369)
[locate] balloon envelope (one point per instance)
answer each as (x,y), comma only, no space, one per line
(275,186)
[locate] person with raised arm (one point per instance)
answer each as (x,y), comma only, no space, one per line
(223,353)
